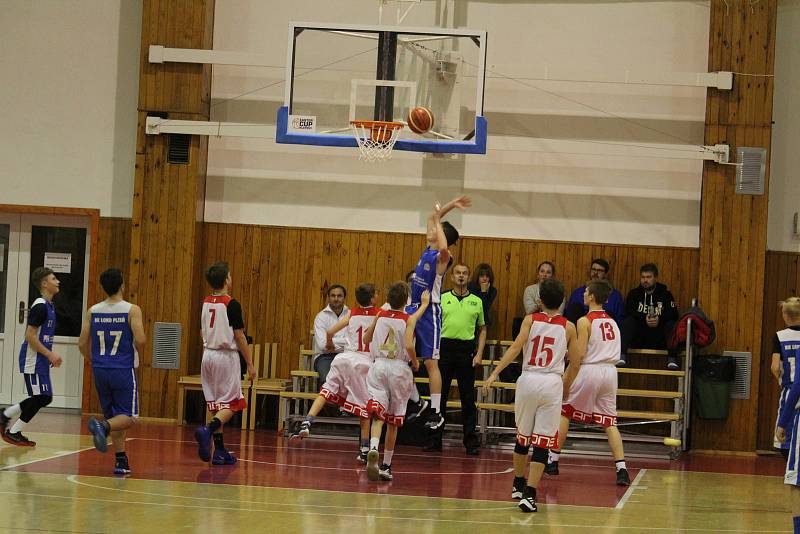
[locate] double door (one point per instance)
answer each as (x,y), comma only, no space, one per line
(28,241)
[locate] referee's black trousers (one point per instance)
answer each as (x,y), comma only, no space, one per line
(455,361)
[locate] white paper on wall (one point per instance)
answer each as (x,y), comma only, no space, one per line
(59,262)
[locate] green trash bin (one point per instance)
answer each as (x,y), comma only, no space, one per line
(712,378)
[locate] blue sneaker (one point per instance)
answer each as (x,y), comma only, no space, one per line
(203,437)
(98,434)
(223,457)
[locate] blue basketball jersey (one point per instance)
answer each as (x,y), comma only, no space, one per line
(425,277)
(789,340)
(111,335)
(43,317)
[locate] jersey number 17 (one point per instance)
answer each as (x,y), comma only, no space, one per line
(101,338)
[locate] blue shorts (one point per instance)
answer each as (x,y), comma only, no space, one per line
(789,431)
(117,391)
(428,331)
(38,384)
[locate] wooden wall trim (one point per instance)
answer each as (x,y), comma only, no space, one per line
(733,229)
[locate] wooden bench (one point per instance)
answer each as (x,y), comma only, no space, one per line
(194,383)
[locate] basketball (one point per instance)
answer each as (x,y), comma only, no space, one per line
(420,120)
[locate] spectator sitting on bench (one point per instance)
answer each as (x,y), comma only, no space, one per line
(615,306)
(530,297)
(650,316)
(323,322)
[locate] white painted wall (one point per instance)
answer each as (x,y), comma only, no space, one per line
(784,182)
(522,194)
(68,96)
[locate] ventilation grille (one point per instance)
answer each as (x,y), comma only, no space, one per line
(750,172)
(178,151)
(167,345)
(740,389)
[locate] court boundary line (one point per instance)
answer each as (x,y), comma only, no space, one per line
(397,454)
(74,479)
(360,468)
(368,516)
(633,487)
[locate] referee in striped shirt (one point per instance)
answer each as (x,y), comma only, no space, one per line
(462,317)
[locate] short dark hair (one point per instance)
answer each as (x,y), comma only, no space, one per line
(600,289)
(217,274)
(38,275)
(336,286)
(111,280)
(450,233)
(364,294)
(551,293)
(397,295)
(550,263)
(601,262)
(649,268)
(410,275)
(481,269)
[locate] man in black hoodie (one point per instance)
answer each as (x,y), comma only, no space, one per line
(650,315)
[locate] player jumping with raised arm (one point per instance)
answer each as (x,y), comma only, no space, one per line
(430,269)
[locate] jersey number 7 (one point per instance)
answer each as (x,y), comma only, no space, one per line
(542,356)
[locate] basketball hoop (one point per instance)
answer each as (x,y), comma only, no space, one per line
(375,139)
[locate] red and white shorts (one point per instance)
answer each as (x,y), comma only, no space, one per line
(221,377)
(537,408)
(389,383)
(346,384)
(593,395)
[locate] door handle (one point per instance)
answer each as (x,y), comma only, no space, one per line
(22,312)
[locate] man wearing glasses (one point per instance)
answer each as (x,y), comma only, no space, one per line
(615,306)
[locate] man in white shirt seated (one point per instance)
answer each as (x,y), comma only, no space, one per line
(324,320)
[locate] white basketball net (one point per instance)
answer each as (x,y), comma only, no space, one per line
(375,143)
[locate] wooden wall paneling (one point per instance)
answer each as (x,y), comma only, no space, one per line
(166,238)
(733,227)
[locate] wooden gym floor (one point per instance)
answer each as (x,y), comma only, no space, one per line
(64,485)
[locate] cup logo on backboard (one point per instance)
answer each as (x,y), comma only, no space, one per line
(302,123)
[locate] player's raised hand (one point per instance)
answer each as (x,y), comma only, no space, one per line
(462,202)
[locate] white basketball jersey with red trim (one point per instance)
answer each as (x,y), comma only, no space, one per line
(604,339)
(360,320)
(216,328)
(546,346)
(389,338)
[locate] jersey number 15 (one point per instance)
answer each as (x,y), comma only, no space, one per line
(542,356)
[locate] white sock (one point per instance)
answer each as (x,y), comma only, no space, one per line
(387,457)
(18,426)
(374,442)
(553,456)
(436,402)
(12,411)
(415,396)
(620,464)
